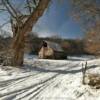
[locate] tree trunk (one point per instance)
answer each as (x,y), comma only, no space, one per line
(18,57)
(19,39)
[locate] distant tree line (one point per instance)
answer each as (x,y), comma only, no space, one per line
(33,44)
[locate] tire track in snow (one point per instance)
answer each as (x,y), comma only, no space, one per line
(40,87)
(45,86)
(34,90)
(29,87)
(14,81)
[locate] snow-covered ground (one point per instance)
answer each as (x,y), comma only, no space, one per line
(48,80)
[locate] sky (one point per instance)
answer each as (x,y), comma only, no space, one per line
(56,20)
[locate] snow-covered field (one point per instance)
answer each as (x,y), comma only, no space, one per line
(48,80)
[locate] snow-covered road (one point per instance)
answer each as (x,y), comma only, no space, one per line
(48,80)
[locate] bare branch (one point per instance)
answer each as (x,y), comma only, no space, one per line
(30,22)
(8,9)
(35,2)
(92,8)
(10,5)
(4,24)
(29,7)
(2,10)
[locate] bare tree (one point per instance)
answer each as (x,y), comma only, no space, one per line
(92,40)
(22,24)
(88,13)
